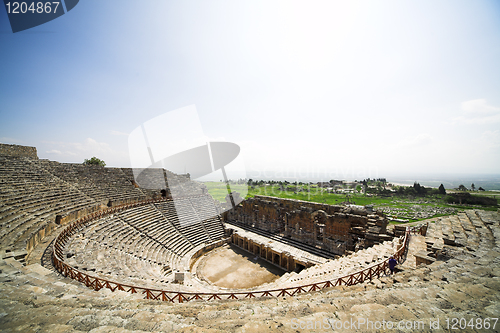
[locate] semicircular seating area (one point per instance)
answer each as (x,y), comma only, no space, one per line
(38,195)
(144,245)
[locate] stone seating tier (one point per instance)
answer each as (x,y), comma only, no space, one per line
(341,266)
(102,184)
(182,211)
(34,192)
(106,254)
(32,197)
(150,222)
(463,286)
(150,234)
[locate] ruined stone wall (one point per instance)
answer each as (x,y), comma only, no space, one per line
(291,204)
(261,213)
(300,219)
(337,228)
(334,228)
(18,151)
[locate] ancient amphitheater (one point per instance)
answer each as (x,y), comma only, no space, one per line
(86,248)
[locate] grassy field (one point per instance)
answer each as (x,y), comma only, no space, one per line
(408,208)
(491,194)
(218,190)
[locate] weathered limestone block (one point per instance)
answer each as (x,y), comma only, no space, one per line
(18,151)
(312,223)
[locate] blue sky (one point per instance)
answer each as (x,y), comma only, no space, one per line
(345,89)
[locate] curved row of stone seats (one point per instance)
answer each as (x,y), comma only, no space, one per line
(205,208)
(482,222)
(32,283)
(491,222)
(469,230)
(36,185)
(35,299)
(136,229)
(107,255)
(184,218)
(126,238)
(190,222)
(119,266)
(342,266)
(138,243)
(32,197)
(464,230)
(481,230)
(149,221)
(101,184)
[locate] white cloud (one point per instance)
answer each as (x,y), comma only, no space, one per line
(118,133)
(418,140)
(478,112)
(91,145)
(77,152)
(88,146)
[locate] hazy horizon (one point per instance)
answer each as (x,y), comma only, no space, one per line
(450,181)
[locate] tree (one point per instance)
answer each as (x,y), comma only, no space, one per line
(419,189)
(94,161)
(472,186)
(442,189)
(401,190)
(462,188)
(410,191)
(480,189)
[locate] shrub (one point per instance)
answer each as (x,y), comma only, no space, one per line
(467,198)
(94,161)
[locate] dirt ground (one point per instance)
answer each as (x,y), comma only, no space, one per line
(232,267)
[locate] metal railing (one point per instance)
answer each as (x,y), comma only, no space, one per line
(97,283)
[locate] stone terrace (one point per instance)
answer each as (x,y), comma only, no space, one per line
(143,246)
(463,282)
(31,198)
(101,184)
(39,195)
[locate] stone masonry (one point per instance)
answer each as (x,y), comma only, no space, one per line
(18,151)
(334,228)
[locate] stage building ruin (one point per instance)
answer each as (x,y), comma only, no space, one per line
(336,229)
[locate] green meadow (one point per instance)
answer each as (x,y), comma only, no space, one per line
(408,208)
